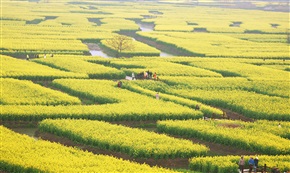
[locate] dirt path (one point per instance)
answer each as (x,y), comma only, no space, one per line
(235,116)
(168,163)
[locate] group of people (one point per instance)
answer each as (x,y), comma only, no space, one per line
(253,164)
(37,56)
(149,75)
(145,75)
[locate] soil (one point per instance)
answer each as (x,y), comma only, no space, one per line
(235,116)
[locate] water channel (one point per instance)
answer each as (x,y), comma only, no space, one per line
(95,50)
(145,27)
(99,53)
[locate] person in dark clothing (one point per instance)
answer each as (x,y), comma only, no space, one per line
(256,161)
(251,164)
(120,84)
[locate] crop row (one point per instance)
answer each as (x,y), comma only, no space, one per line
(267,87)
(20,153)
(79,65)
(161,67)
(17,92)
(124,105)
(138,86)
(250,104)
(243,70)
(134,142)
(15,68)
(226,164)
(224,133)
(204,44)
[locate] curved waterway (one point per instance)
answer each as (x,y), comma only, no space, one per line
(95,50)
(146,27)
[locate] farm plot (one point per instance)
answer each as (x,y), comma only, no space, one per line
(218,131)
(115,104)
(16,92)
(217,20)
(78,64)
(15,68)
(210,45)
(20,153)
(269,87)
(135,142)
(161,67)
(140,87)
(250,104)
(225,164)
(244,70)
(136,48)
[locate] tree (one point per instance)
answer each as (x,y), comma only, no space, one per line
(120,43)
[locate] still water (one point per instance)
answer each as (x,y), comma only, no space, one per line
(99,53)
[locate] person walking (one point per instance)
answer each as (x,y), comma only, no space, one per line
(251,164)
(157,96)
(241,164)
(256,161)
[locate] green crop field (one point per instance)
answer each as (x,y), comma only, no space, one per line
(144,86)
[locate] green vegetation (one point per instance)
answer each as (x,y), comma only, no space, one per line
(134,142)
(249,137)
(213,59)
(20,153)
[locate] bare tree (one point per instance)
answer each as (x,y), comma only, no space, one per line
(120,43)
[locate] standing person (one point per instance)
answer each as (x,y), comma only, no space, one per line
(44,56)
(119,84)
(241,164)
(27,57)
(155,76)
(251,164)
(157,96)
(145,74)
(256,161)
(148,74)
(224,114)
(197,107)
(133,76)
